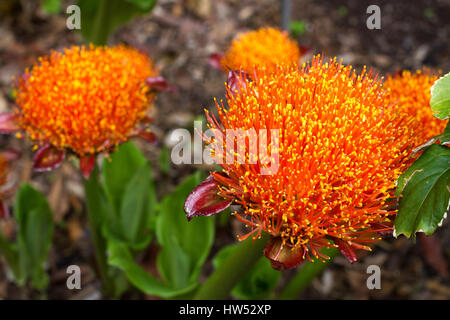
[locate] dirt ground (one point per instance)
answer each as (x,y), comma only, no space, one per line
(180,36)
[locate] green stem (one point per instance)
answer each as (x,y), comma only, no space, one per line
(96,216)
(230,272)
(10,256)
(101,24)
(305,275)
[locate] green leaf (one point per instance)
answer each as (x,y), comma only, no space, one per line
(440,97)
(424,188)
(297,28)
(258,283)
(134,213)
(164,160)
(35,230)
(194,238)
(173,264)
(51,6)
(120,256)
(118,170)
(9,252)
(102,17)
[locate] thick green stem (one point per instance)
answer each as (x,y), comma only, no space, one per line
(96,216)
(305,275)
(101,24)
(230,272)
(9,255)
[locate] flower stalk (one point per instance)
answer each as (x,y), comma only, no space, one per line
(305,275)
(101,23)
(9,255)
(230,272)
(95,216)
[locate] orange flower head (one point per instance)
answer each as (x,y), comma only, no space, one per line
(264,47)
(85,100)
(412,93)
(330,175)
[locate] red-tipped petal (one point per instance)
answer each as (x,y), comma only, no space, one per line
(10,154)
(8,123)
(205,200)
(237,80)
(281,256)
(214,61)
(304,49)
(159,83)
(87,164)
(4,210)
(47,158)
(346,250)
(147,136)
(383,229)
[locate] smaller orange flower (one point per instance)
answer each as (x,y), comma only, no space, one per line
(84,101)
(411,91)
(266,47)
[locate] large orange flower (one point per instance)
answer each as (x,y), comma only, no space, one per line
(85,101)
(411,91)
(329,179)
(266,47)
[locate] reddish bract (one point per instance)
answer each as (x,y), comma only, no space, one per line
(281,256)
(8,123)
(346,250)
(48,158)
(205,200)
(87,164)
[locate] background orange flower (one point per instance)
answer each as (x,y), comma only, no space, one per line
(265,47)
(411,91)
(85,99)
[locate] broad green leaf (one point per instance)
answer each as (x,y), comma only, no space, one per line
(35,231)
(440,97)
(164,160)
(257,283)
(51,6)
(118,170)
(120,256)
(425,194)
(96,201)
(173,264)
(195,237)
(100,18)
(134,213)
(297,28)
(9,252)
